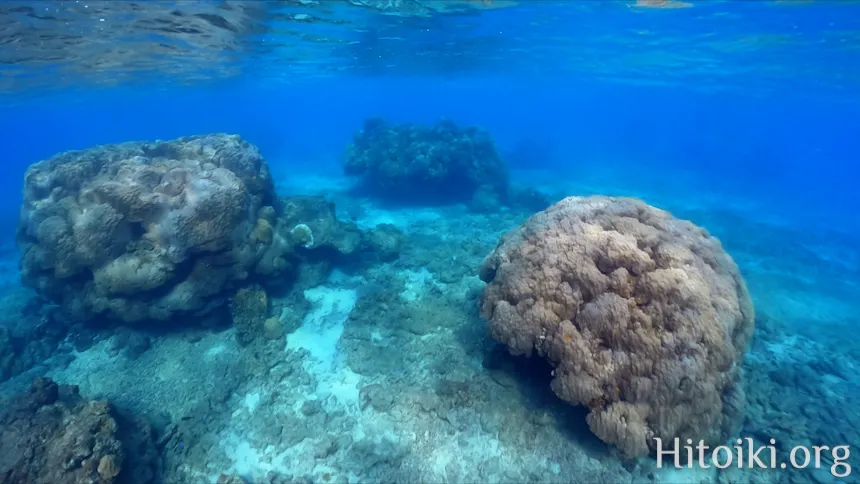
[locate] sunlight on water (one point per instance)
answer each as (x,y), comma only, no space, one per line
(49,44)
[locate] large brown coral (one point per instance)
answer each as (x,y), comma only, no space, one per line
(52,435)
(164,230)
(644,317)
(143,231)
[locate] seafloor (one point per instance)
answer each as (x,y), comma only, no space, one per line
(391,377)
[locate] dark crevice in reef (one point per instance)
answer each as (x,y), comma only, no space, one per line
(137,230)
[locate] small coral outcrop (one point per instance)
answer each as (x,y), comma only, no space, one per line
(306,230)
(51,434)
(644,317)
(312,223)
(249,309)
(440,163)
(303,235)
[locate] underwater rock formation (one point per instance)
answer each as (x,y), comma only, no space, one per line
(307,237)
(644,317)
(143,231)
(439,163)
(149,231)
(51,434)
(314,224)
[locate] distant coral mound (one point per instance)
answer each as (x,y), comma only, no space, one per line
(51,434)
(441,162)
(644,317)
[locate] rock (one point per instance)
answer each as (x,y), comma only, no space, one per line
(108,468)
(311,407)
(384,242)
(143,231)
(50,434)
(375,396)
(325,447)
(273,329)
(249,308)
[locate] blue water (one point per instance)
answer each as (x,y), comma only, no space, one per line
(742,117)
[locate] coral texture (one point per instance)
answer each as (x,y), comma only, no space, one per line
(51,435)
(249,308)
(144,231)
(441,162)
(312,223)
(644,317)
(308,233)
(160,231)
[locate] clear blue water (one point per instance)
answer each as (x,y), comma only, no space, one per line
(741,116)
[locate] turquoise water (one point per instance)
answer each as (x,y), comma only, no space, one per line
(340,337)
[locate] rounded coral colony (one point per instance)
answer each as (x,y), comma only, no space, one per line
(440,162)
(644,317)
(151,231)
(144,231)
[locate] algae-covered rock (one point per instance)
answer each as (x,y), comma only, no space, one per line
(51,434)
(273,329)
(249,308)
(385,241)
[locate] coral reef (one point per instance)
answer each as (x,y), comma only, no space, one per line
(308,231)
(312,223)
(440,163)
(141,232)
(383,372)
(52,435)
(644,317)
